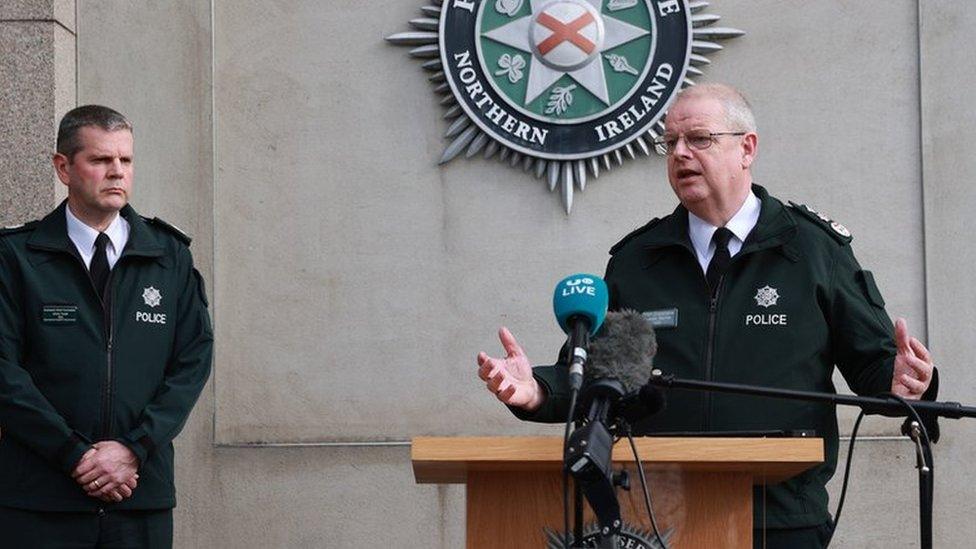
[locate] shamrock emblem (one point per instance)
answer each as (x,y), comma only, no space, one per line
(512,66)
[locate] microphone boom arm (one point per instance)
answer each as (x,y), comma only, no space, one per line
(874,405)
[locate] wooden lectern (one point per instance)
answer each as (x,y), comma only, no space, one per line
(701,487)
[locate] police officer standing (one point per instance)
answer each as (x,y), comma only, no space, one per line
(742,288)
(105,345)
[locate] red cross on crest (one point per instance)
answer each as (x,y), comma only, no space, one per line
(566,32)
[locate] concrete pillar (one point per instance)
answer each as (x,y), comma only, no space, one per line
(949,169)
(37,86)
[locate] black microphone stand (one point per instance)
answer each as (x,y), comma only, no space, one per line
(579,341)
(587,458)
(892,406)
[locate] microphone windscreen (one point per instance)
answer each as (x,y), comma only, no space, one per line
(581,295)
(624,349)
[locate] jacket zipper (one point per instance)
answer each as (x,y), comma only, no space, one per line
(109,334)
(107,307)
(710,343)
(710,353)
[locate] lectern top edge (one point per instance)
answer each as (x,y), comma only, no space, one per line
(449,459)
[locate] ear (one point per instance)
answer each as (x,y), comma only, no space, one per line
(750,146)
(61,163)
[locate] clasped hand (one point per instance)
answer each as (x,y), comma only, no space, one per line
(108,471)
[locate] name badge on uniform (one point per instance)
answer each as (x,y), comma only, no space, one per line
(662,318)
(59,314)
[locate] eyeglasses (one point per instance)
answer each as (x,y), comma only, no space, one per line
(699,140)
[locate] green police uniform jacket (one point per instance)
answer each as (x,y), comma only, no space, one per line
(793,303)
(73,373)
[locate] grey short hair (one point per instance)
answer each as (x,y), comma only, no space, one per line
(87,116)
(738,111)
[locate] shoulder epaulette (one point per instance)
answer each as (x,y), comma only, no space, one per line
(172,229)
(833,228)
(633,234)
(18,228)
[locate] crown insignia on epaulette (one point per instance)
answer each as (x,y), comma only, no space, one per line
(828,222)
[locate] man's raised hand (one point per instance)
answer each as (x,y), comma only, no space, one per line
(510,379)
(913,364)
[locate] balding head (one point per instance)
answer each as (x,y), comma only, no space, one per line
(738,111)
(711,140)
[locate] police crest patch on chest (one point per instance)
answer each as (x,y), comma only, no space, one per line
(152,296)
(766,296)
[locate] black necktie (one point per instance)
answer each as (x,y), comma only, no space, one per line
(99,264)
(720,260)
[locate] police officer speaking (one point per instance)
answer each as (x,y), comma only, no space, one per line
(741,288)
(105,345)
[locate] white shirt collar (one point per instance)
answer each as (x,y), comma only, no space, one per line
(84,237)
(700,231)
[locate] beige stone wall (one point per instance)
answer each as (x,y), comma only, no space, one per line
(353,280)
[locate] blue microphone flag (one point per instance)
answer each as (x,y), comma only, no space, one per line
(581,295)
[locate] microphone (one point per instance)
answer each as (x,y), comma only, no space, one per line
(620,365)
(580,304)
(615,391)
